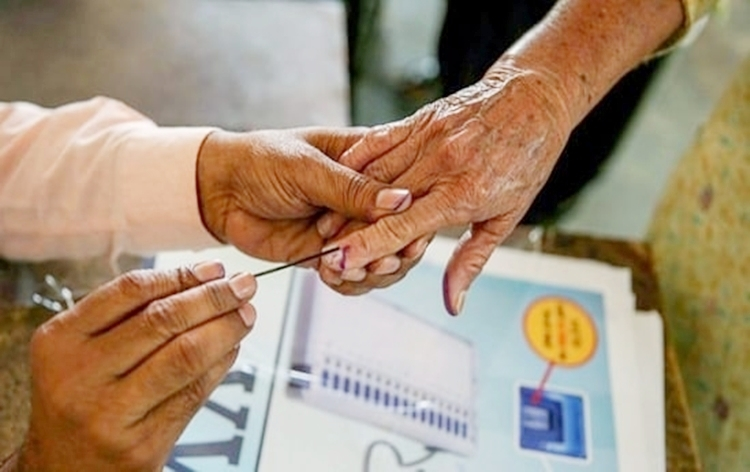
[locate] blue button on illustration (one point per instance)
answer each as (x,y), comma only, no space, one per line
(552,423)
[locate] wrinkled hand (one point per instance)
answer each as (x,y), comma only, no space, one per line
(263,191)
(478,157)
(116,379)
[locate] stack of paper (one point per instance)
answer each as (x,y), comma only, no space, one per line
(548,368)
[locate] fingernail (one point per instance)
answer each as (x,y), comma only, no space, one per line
(354,275)
(460,303)
(209,270)
(247,313)
(323,225)
(242,285)
(421,248)
(388,265)
(394,199)
(335,260)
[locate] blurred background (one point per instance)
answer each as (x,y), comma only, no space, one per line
(245,64)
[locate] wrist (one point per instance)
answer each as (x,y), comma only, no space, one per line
(213,183)
(541,89)
(560,95)
(584,47)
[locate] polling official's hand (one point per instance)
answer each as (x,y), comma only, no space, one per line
(263,191)
(116,379)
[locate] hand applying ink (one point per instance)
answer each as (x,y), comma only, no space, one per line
(263,191)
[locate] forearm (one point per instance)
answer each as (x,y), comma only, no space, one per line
(95,178)
(584,47)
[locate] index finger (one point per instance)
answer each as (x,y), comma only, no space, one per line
(379,141)
(109,305)
(390,234)
(333,142)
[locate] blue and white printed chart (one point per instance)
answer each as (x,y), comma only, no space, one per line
(537,373)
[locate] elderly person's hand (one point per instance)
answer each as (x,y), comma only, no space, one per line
(263,191)
(480,156)
(116,379)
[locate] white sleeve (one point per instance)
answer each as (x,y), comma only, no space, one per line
(95,178)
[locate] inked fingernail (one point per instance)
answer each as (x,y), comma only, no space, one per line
(335,260)
(388,265)
(242,285)
(209,270)
(247,313)
(354,275)
(394,199)
(460,303)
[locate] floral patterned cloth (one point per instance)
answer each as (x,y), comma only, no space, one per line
(700,236)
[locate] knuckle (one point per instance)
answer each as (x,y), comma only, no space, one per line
(219,298)
(135,283)
(383,170)
(356,188)
(373,141)
(454,153)
(452,205)
(189,355)
(393,229)
(163,318)
(196,392)
(185,278)
(149,282)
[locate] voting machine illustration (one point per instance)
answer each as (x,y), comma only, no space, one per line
(370,361)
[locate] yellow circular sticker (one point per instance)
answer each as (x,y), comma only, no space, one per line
(560,331)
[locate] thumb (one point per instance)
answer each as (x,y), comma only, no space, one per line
(334,186)
(468,259)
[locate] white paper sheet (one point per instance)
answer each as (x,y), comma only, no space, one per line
(649,332)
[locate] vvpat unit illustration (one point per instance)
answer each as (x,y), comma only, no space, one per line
(368,360)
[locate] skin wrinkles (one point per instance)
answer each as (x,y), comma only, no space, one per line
(480,127)
(463,174)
